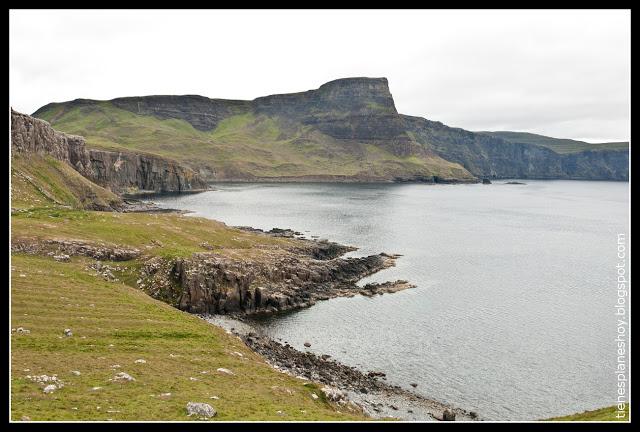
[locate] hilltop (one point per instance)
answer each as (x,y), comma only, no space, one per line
(346,130)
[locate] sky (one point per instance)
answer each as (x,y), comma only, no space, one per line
(558,73)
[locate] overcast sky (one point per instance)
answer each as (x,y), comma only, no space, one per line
(558,73)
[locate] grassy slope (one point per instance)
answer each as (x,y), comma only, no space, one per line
(602,414)
(559,145)
(242,145)
(41,181)
(49,296)
(113,323)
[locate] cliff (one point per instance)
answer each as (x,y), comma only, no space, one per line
(131,172)
(117,171)
(345,130)
(485,155)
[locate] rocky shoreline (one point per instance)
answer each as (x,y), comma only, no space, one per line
(342,383)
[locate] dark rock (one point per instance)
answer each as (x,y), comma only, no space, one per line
(414,385)
(486,181)
(307,344)
(209,283)
(448,415)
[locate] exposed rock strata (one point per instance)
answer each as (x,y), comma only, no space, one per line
(32,135)
(210,283)
(486,156)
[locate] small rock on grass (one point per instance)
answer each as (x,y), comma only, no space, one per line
(50,388)
(123,376)
(225,371)
(200,409)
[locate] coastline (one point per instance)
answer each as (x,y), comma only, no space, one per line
(343,384)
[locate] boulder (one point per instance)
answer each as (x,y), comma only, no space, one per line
(202,410)
(123,376)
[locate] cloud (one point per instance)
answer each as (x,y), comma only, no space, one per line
(562,73)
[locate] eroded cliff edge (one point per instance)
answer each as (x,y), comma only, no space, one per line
(117,171)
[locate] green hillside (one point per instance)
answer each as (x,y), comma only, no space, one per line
(559,145)
(241,146)
(41,181)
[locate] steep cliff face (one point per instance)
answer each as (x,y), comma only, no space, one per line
(131,172)
(32,135)
(487,156)
(118,171)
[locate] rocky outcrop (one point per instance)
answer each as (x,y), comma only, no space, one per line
(281,279)
(118,171)
(32,135)
(210,283)
(486,156)
(58,248)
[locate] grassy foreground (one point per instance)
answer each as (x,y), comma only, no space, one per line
(113,326)
(602,414)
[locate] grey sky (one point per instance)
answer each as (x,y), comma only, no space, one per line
(558,73)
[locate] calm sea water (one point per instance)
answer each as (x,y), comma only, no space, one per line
(513,316)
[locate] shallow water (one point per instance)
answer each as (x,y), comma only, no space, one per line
(513,313)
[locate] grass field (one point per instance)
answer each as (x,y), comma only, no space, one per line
(603,414)
(241,145)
